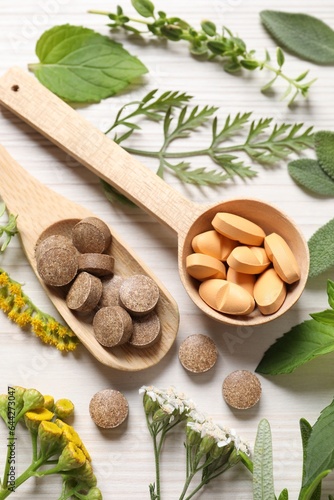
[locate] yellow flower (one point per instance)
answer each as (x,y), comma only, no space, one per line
(71,458)
(19,301)
(48,402)
(49,438)
(15,289)
(64,408)
(4,304)
(37,325)
(35,417)
(4,279)
(23,319)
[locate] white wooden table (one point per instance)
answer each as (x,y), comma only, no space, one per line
(123,458)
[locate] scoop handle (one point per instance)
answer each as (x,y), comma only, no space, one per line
(61,124)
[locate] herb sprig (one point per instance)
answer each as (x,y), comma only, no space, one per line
(9,229)
(263,142)
(209,42)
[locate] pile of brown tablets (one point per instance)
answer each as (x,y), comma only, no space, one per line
(240,267)
(123,308)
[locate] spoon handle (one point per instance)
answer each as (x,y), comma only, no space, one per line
(48,114)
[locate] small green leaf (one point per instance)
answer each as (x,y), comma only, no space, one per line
(263,480)
(310,175)
(80,65)
(216,47)
(321,246)
(249,64)
(326,317)
(280,57)
(302,76)
(301,34)
(330,293)
(299,345)
(144,7)
(284,495)
(305,432)
(232,66)
(324,148)
(113,195)
(172,32)
(209,28)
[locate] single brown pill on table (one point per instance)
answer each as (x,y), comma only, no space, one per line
(112,326)
(108,408)
(96,263)
(58,266)
(198,353)
(110,291)
(53,241)
(241,389)
(85,293)
(139,294)
(91,235)
(146,330)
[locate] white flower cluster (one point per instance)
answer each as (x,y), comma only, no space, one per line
(170,401)
(173,403)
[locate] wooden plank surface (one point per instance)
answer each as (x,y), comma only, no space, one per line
(123,458)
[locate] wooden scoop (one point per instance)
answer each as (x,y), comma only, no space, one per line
(42,212)
(28,99)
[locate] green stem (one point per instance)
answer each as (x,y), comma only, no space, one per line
(157,464)
(104,13)
(29,472)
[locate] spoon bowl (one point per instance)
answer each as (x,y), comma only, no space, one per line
(41,213)
(31,101)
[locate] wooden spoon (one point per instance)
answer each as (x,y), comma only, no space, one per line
(42,212)
(31,101)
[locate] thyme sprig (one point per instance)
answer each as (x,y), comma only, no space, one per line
(208,42)
(263,142)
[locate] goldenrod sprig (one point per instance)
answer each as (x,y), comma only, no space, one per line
(208,42)
(20,309)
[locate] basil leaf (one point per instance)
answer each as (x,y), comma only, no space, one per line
(80,65)
(326,317)
(144,7)
(263,480)
(302,343)
(304,36)
(324,148)
(309,174)
(320,447)
(321,247)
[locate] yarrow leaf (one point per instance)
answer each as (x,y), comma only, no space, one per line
(309,174)
(80,65)
(303,35)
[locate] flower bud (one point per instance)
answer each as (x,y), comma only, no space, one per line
(49,437)
(85,474)
(93,494)
(150,406)
(34,418)
(205,445)
(71,458)
(4,407)
(160,416)
(48,402)
(19,393)
(32,399)
(234,458)
(193,437)
(63,408)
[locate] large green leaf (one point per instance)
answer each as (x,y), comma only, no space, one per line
(305,36)
(321,246)
(80,65)
(320,447)
(263,480)
(324,148)
(309,174)
(298,346)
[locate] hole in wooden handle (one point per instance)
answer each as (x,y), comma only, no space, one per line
(15,88)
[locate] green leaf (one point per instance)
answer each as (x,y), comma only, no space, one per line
(199,176)
(324,148)
(305,36)
(263,480)
(330,293)
(113,195)
(209,28)
(280,57)
(144,7)
(310,175)
(321,247)
(305,432)
(326,317)
(284,495)
(249,64)
(299,345)
(80,65)
(320,446)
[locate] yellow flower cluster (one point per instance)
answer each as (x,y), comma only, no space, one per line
(24,313)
